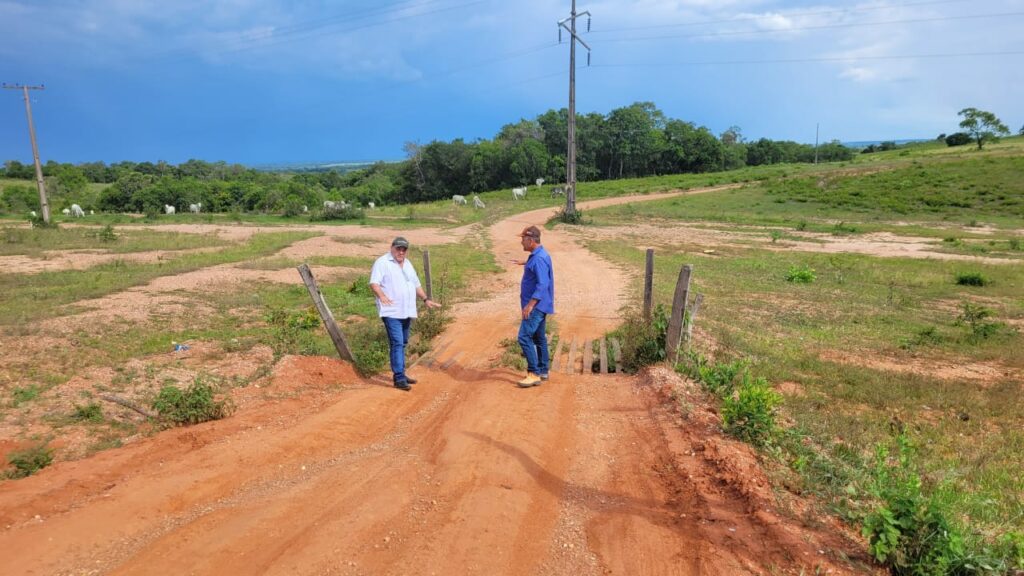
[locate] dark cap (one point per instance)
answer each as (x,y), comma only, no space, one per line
(532,232)
(399,242)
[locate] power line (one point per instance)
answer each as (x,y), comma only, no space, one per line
(789,14)
(806,60)
(819,27)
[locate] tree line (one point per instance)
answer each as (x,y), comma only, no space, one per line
(628,142)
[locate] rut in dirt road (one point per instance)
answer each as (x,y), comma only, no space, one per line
(466,474)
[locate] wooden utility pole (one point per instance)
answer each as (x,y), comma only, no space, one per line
(649,284)
(570,168)
(44,206)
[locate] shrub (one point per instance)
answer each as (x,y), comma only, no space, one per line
(91,412)
(293,331)
(801,274)
(972,279)
(975,317)
(643,342)
(566,217)
(749,414)
(338,212)
(29,461)
(190,406)
(958,139)
(907,531)
(22,394)
(107,234)
(369,344)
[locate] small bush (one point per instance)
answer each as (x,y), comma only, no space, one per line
(23,394)
(369,344)
(972,279)
(907,531)
(29,461)
(193,405)
(775,235)
(565,217)
(91,412)
(1014,244)
(643,342)
(107,234)
(361,287)
(958,139)
(749,414)
(976,318)
(293,331)
(801,275)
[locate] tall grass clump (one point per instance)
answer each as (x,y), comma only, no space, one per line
(29,461)
(801,275)
(972,279)
(293,331)
(643,342)
(749,413)
(195,404)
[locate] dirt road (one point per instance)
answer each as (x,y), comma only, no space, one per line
(467,474)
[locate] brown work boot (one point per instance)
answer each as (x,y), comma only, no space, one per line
(530,381)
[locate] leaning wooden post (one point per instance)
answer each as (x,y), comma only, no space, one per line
(429,287)
(693,317)
(325,313)
(675,323)
(648,284)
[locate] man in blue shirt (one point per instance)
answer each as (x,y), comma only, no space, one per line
(537,300)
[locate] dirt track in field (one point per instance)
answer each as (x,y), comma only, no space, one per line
(322,472)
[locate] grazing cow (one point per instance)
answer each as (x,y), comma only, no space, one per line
(66,212)
(371,205)
(477,202)
(540,182)
(168,209)
(195,208)
(557,191)
(91,212)
(519,193)
(305,208)
(32,213)
(77,211)
(458,199)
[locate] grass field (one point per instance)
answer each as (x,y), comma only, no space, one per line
(874,345)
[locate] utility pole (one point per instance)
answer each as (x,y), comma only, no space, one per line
(44,206)
(570,168)
(816,125)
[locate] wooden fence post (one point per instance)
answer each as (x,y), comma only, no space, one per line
(648,284)
(693,317)
(675,323)
(325,314)
(429,288)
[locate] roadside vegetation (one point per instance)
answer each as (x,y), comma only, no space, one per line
(899,377)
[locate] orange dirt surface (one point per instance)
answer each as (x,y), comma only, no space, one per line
(322,472)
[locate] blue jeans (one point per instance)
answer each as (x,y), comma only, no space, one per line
(398,337)
(534,342)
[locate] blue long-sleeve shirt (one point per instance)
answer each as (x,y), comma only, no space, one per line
(538,282)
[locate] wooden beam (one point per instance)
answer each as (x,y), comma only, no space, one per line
(557,354)
(340,343)
(675,323)
(570,365)
(649,284)
(617,354)
(693,317)
(588,357)
(604,356)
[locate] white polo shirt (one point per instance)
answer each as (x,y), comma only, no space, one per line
(399,283)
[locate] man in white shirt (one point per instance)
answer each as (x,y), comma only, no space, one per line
(394,281)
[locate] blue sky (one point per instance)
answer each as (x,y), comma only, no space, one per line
(266,81)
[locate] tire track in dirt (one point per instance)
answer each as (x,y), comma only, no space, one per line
(466,474)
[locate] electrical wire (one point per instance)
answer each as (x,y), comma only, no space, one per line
(806,60)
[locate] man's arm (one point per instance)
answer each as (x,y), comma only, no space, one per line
(384,300)
(427,301)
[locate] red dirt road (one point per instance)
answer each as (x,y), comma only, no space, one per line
(330,474)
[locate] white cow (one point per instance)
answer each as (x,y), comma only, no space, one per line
(66,212)
(540,182)
(32,214)
(371,205)
(557,191)
(305,208)
(458,199)
(195,208)
(92,212)
(477,202)
(77,211)
(168,209)
(519,193)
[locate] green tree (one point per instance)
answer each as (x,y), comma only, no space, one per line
(983,126)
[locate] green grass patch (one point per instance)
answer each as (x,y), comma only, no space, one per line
(195,404)
(28,461)
(34,242)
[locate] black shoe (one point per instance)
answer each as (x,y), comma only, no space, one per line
(403,386)
(411,380)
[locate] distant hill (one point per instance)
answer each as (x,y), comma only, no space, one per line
(342,166)
(866,143)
